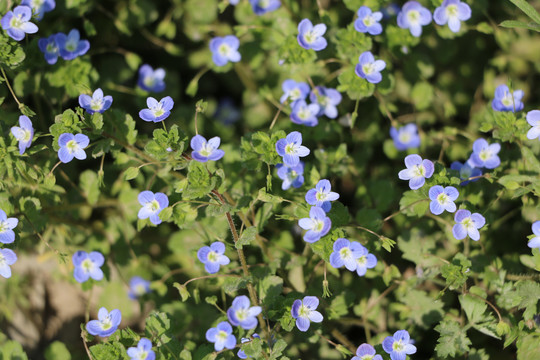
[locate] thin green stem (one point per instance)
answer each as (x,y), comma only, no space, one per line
(9,87)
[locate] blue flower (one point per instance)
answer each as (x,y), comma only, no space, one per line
(399,345)
(206,150)
(467,224)
(7,235)
(304,311)
(368,21)
(138,287)
(506,101)
(328,99)
(150,79)
(452,12)
(294,91)
(233,2)
(291,148)
(71,45)
(7,258)
(221,336)
(241,354)
(413,16)
(365,261)
(406,137)
(533,118)
(391,10)
(366,352)
(442,199)
(291,175)
(417,171)
(535,241)
(40,6)
(227,112)
(106,324)
(213,257)
(87,265)
(311,37)
(368,68)
(23,133)
(241,314)
(345,253)
(321,195)
(49,48)
(225,49)
(261,7)
(152,204)
(157,111)
(143,351)
(17,23)
(96,103)
(317,224)
(72,146)
(305,114)
(485,155)
(466,171)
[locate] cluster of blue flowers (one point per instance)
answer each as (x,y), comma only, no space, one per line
(68,46)
(7,236)
(398,346)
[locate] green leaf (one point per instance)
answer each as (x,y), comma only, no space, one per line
(109,351)
(57,351)
(158,329)
(453,340)
(527,9)
(248,235)
(456,273)
(90,185)
(184,293)
(474,308)
(529,292)
(414,203)
(131,173)
(520,25)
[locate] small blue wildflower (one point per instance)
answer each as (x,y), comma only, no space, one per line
(535,241)
(150,79)
(71,45)
(294,91)
(23,133)
(399,345)
(7,235)
(317,224)
(157,111)
(227,112)
(7,258)
(87,265)
(406,137)
(533,118)
(365,261)
(241,354)
(106,324)
(97,103)
(442,199)
(390,11)
(225,49)
(311,37)
(467,224)
(417,171)
(234,2)
(261,7)
(452,12)
(322,195)
(328,99)
(213,257)
(152,204)
(485,155)
(368,21)
(242,314)
(206,150)
(138,287)
(413,16)
(368,68)
(72,146)
(143,351)
(291,148)
(17,22)
(304,311)
(291,175)
(506,101)
(466,171)
(345,253)
(221,336)
(49,48)
(366,352)
(40,7)
(304,114)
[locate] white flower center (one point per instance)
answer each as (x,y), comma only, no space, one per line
(452,10)
(71,45)
(106,323)
(206,150)
(367,357)
(222,336)
(142,355)
(224,50)
(310,37)
(317,225)
(149,81)
(3,226)
(153,205)
(442,198)
(304,311)
(242,314)
(398,346)
(295,94)
(345,253)
(414,17)
(2,260)
(404,137)
(419,171)
(362,260)
(213,256)
(485,154)
(16,21)
(52,48)
(72,146)
(290,149)
(87,265)
(96,105)
(508,100)
(304,113)
(468,223)
(139,289)
(368,68)
(368,20)
(37,3)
